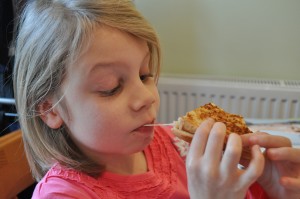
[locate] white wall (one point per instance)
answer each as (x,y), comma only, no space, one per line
(247,38)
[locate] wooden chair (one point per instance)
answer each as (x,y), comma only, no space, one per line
(15,175)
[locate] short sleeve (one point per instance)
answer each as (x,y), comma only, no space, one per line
(59,188)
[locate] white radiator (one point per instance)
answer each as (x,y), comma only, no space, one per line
(251,98)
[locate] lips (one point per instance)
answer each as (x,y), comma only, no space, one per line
(146,129)
(151,122)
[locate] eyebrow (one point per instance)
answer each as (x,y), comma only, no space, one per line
(114,63)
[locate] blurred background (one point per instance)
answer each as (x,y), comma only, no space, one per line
(227,38)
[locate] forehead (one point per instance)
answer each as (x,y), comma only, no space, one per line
(106,40)
(107,45)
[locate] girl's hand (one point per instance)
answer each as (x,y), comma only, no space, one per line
(213,175)
(281,176)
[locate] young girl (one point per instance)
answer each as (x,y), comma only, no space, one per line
(85,85)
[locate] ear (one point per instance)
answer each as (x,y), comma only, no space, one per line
(49,114)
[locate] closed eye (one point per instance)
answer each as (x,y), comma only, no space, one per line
(110,92)
(145,77)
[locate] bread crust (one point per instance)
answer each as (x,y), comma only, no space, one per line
(186,126)
(191,121)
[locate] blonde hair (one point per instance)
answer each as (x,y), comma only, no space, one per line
(51,35)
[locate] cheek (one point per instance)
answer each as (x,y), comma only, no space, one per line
(82,117)
(91,130)
(91,120)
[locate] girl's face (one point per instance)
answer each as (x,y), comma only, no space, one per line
(110,94)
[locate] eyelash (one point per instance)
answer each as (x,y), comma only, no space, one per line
(145,77)
(113,91)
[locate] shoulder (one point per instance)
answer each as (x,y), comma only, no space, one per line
(62,183)
(57,187)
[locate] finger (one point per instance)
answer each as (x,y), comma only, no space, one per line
(269,141)
(245,137)
(291,183)
(215,144)
(232,154)
(255,168)
(284,153)
(200,138)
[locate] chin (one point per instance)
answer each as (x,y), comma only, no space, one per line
(143,143)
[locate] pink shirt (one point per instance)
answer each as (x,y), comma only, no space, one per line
(166,177)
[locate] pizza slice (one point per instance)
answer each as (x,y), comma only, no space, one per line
(186,126)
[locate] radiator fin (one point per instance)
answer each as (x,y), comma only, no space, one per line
(251,98)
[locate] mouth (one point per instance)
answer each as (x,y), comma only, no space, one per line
(146,127)
(148,124)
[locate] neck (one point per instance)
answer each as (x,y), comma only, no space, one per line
(127,165)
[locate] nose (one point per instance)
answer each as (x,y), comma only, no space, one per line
(142,96)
